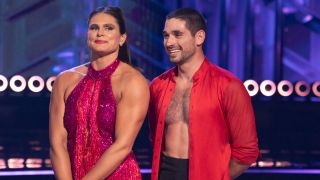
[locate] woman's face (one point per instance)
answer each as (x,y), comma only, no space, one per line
(104,36)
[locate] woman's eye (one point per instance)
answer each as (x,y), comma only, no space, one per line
(93,27)
(108,28)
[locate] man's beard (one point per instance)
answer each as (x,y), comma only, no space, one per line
(184,56)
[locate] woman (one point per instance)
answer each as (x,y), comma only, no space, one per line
(97,109)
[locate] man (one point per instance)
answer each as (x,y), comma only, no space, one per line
(201,119)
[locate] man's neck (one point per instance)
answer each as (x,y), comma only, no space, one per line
(187,69)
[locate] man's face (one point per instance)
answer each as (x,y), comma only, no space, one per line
(178,41)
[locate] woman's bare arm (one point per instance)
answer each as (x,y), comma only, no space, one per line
(57,133)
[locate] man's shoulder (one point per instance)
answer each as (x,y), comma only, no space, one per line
(221,73)
(225,79)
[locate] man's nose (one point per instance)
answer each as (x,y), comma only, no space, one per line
(170,41)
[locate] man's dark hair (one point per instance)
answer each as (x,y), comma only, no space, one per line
(194,20)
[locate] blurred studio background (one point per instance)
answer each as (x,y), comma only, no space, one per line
(272,45)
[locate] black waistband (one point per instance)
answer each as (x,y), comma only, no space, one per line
(173,159)
(173,168)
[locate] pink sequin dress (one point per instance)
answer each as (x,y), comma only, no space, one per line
(89,118)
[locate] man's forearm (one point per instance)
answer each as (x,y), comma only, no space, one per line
(236,169)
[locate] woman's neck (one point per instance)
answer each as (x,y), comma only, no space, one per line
(100,62)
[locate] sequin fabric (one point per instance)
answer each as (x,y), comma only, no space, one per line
(89,119)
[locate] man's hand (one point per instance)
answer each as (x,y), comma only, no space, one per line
(236,169)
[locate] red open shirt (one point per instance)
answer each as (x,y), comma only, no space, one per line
(221,122)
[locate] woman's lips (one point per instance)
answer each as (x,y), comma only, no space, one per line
(100,41)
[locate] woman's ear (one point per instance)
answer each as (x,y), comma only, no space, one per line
(123,39)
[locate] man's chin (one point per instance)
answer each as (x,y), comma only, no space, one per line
(174,60)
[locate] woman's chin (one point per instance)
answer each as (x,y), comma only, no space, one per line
(101,52)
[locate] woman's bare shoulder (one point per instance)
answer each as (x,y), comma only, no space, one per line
(71,75)
(133,84)
(128,74)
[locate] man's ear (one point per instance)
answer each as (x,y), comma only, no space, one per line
(200,36)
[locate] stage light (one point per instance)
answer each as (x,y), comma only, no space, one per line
(252,87)
(3,164)
(268,163)
(34,163)
(36,148)
(285,88)
(37,88)
(48,163)
(4,84)
(316,88)
(49,82)
(267,87)
(302,88)
(307,18)
(13,85)
(288,10)
(15,163)
(283,164)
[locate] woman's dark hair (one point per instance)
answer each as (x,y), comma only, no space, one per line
(124,53)
(194,20)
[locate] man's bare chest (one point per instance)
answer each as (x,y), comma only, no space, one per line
(178,109)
